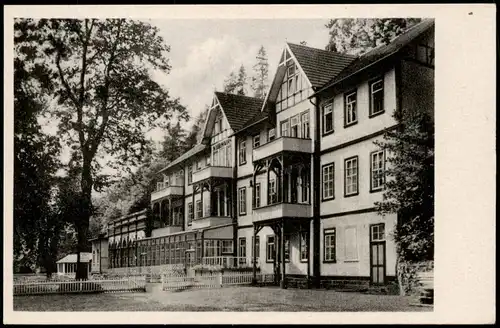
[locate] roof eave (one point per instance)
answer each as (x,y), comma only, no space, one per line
(328,86)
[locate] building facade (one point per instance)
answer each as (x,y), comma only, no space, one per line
(287,184)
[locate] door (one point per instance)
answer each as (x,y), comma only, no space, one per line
(377,254)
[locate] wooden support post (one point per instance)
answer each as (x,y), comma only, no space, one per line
(254,262)
(283,262)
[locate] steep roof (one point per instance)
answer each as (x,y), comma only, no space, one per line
(71,258)
(193,151)
(381,52)
(238,109)
(320,65)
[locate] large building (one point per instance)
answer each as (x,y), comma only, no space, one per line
(289,182)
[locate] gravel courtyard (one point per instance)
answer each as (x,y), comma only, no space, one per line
(221,299)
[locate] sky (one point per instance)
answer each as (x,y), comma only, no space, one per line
(204,52)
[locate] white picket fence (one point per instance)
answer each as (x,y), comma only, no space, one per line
(112,285)
(215,280)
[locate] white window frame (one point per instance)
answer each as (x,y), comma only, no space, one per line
(328,181)
(295,124)
(242,201)
(350,113)
(190,212)
(377,234)
(199,209)
(286,124)
(327,111)
(227,246)
(257,195)
(242,249)
(328,236)
(272,191)
(304,118)
(351,176)
(243,152)
(377,170)
(271,134)
(256,141)
(270,248)
(373,92)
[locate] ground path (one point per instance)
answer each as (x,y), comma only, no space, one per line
(219,299)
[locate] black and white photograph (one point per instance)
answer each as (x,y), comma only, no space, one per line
(237,165)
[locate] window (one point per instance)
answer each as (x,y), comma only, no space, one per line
(190,174)
(256,141)
(293,87)
(304,252)
(328,181)
(190,213)
(166,181)
(304,185)
(377,97)
(211,248)
(294,127)
(242,250)
(330,245)
(242,192)
(284,128)
(198,165)
(208,160)
(287,248)
(199,210)
(273,196)
(304,118)
(257,195)
(351,244)
(328,118)
(378,232)
(215,153)
(350,110)
(270,249)
(227,246)
(351,176)
(256,246)
(271,134)
(243,152)
(159,186)
(377,170)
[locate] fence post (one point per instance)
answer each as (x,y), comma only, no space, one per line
(219,279)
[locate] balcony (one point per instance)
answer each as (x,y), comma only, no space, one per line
(280,210)
(283,144)
(212,172)
(168,191)
(210,221)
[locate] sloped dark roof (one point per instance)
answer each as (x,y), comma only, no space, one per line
(259,116)
(71,258)
(320,65)
(193,151)
(381,52)
(238,109)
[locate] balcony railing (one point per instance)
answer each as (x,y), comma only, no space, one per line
(213,172)
(229,261)
(167,191)
(282,209)
(210,221)
(283,144)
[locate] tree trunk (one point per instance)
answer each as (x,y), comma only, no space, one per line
(82,226)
